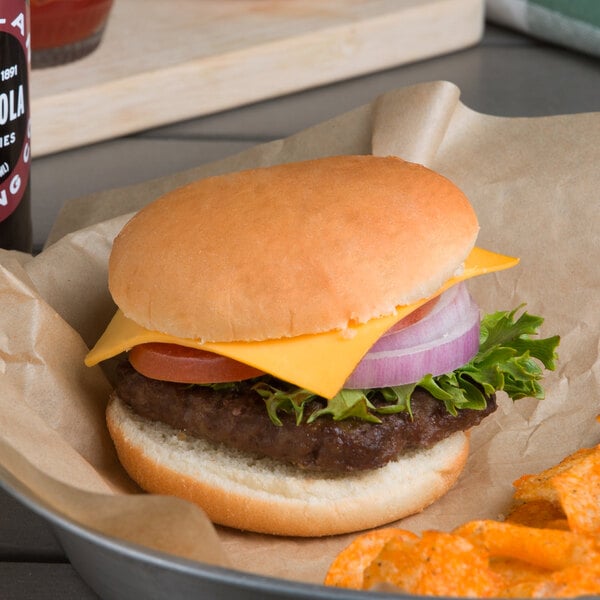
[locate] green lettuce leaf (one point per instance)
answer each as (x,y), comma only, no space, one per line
(509,360)
(291,400)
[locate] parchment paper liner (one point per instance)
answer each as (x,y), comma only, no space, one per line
(534,183)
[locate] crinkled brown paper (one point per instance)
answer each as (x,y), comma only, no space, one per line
(535,184)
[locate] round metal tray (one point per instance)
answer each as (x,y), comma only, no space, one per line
(119,570)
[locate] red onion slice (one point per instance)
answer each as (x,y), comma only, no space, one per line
(453,305)
(445,339)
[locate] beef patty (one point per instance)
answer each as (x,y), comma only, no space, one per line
(238,418)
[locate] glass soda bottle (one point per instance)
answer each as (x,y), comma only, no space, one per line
(15,127)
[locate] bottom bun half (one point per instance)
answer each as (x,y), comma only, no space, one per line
(261,495)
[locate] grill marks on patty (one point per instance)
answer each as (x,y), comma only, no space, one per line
(238,419)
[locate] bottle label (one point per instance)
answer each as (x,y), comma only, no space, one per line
(15,128)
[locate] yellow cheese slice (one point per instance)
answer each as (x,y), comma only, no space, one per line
(318,362)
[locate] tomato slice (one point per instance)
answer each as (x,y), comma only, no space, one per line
(170,362)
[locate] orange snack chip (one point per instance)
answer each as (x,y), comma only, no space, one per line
(550,549)
(549,546)
(578,489)
(539,486)
(437,564)
(519,577)
(577,580)
(538,513)
(348,567)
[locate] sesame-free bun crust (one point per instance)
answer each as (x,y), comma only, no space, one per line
(263,496)
(292,249)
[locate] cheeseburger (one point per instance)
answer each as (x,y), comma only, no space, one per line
(303,357)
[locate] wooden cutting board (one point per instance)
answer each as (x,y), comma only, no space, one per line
(162,62)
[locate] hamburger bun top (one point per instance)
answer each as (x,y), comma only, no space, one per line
(292,249)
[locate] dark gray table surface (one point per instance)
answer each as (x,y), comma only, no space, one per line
(507,74)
